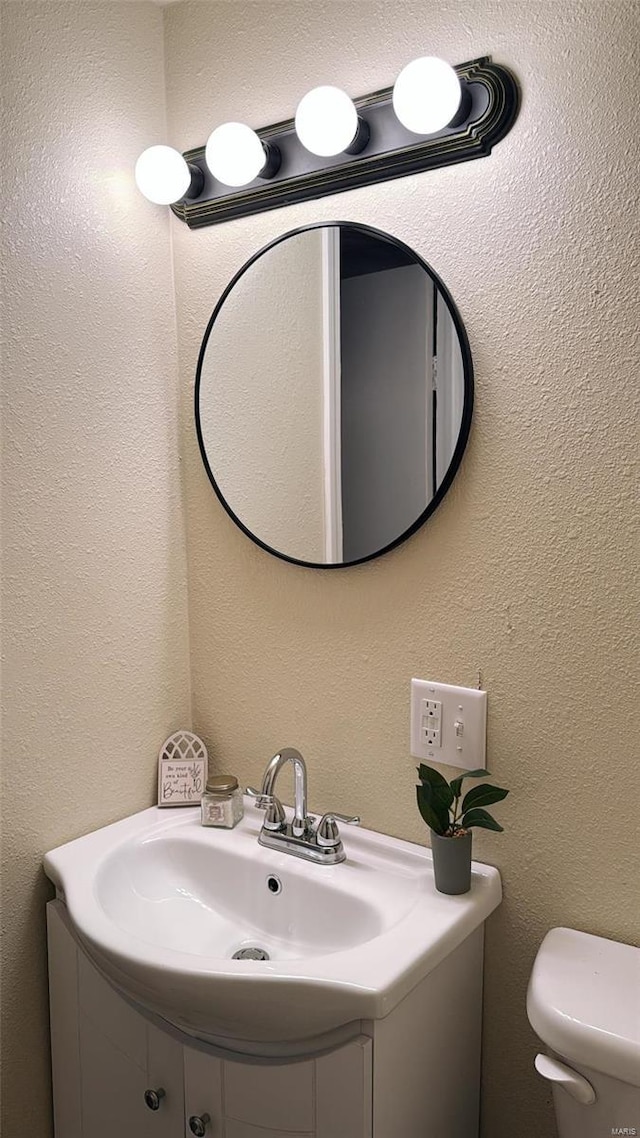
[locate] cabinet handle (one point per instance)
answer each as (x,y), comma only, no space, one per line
(198,1124)
(152,1098)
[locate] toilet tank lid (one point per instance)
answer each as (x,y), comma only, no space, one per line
(584,1001)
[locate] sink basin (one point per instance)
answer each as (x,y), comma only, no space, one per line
(162,904)
(169,892)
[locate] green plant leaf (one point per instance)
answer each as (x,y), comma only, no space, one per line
(456,786)
(438,804)
(456,783)
(441,793)
(432,776)
(429,814)
(480,818)
(484,795)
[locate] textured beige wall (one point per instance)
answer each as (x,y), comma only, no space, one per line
(526,572)
(95,668)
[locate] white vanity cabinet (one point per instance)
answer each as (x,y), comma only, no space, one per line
(108,1059)
(415,1073)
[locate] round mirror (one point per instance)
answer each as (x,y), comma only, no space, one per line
(333,395)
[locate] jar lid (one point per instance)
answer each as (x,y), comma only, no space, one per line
(222,784)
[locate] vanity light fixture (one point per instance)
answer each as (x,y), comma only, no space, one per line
(165,177)
(435,115)
(236,155)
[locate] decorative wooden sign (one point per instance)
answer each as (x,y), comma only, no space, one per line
(182,770)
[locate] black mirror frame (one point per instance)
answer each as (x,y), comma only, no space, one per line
(467,409)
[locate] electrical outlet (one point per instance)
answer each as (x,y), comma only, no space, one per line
(431,722)
(448,724)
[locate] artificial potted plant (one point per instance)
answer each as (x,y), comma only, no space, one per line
(451,821)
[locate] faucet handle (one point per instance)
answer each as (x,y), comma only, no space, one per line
(275,815)
(327,832)
(263,800)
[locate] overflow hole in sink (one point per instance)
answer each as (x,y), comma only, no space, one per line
(274,884)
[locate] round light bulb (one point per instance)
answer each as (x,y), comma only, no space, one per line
(162,175)
(426,95)
(235,154)
(326,121)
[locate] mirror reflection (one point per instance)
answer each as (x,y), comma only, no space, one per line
(333,395)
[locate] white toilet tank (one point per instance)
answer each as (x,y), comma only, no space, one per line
(584,1004)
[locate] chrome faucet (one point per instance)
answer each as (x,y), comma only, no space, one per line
(301,823)
(299,837)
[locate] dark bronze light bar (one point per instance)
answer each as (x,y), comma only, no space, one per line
(488,108)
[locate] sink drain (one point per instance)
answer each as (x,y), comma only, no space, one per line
(250,954)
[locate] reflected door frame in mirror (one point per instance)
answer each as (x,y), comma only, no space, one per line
(357,233)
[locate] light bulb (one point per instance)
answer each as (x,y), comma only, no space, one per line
(426,95)
(326,121)
(234,153)
(162,175)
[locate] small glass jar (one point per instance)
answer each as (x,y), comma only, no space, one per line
(222,803)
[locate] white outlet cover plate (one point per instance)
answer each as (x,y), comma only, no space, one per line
(463,728)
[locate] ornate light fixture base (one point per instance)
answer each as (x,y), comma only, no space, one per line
(489,107)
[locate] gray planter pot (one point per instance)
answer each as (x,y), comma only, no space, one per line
(452,863)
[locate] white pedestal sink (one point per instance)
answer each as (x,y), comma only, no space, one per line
(367,949)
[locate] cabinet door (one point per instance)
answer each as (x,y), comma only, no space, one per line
(112,1088)
(122,1056)
(164,1072)
(244,1130)
(326,1097)
(202,1092)
(344,1091)
(269,1098)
